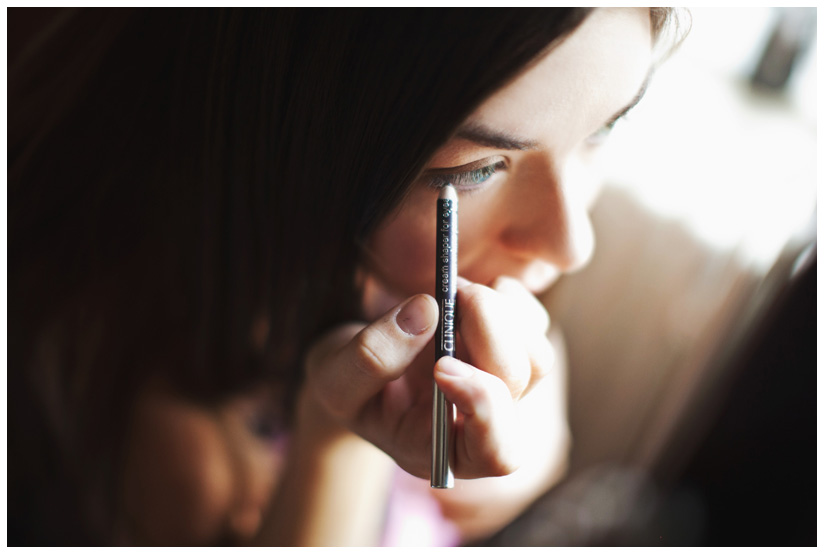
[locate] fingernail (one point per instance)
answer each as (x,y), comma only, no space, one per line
(417,316)
(460,281)
(454,367)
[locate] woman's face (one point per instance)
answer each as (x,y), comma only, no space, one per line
(525,167)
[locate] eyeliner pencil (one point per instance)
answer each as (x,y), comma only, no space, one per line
(446,263)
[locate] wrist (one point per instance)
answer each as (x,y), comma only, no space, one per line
(315,423)
(328,468)
(323,443)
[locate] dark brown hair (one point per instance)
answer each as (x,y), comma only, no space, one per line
(177,177)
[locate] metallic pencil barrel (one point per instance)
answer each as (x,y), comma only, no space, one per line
(441,475)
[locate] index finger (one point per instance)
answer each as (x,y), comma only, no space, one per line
(491,336)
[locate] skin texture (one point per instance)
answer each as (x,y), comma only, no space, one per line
(530,220)
(369,383)
(197,475)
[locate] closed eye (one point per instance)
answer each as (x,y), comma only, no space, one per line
(600,136)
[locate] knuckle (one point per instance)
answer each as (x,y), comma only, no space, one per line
(519,388)
(503,465)
(476,295)
(329,344)
(540,372)
(376,353)
(545,361)
(499,462)
(485,307)
(369,360)
(507,283)
(531,310)
(517,377)
(479,399)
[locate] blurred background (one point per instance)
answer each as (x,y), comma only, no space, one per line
(691,336)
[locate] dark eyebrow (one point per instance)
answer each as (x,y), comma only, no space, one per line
(485,136)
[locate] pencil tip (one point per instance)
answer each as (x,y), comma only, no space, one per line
(448,192)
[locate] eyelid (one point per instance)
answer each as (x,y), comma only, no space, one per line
(600,135)
(476,165)
(468,180)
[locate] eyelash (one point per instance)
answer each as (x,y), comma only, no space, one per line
(473,179)
(603,133)
(466,181)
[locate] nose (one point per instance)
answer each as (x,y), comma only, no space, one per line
(548,213)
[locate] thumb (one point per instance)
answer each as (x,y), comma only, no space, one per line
(353,363)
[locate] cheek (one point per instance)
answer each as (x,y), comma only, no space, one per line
(402,252)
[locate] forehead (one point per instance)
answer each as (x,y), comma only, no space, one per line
(584,80)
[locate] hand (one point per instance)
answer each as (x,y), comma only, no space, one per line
(376,379)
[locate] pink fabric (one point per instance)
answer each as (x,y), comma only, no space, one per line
(414,518)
